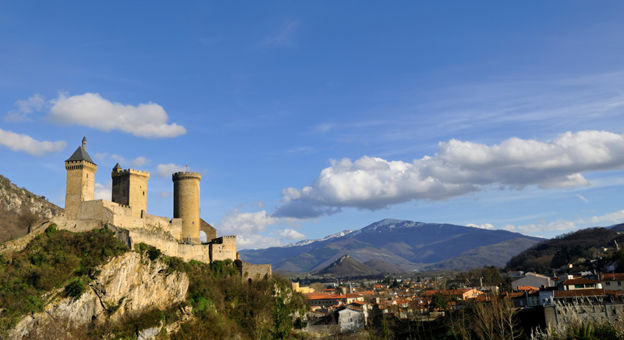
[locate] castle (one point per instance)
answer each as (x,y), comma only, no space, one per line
(126,213)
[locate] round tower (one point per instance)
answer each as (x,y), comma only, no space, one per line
(186,203)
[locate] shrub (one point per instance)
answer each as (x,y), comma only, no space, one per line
(54,259)
(51,229)
(75,288)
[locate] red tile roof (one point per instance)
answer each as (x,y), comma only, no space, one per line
(580,292)
(613,276)
(323,296)
(529,288)
(580,281)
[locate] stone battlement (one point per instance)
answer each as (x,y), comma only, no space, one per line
(72,165)
(185,174)
(118,172)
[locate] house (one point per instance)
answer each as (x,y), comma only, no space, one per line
(533,280)
(351,319)
(324,299)
(580,283)
(612,281)
(454,294)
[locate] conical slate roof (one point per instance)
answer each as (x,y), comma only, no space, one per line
(80,155)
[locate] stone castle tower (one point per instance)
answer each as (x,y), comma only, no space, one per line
(80,180)
(130,189)
(186,204)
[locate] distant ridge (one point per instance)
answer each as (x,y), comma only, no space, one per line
(566,249)
(346,266)
(406,245)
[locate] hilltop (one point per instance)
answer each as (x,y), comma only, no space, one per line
(20,208)
(346,266)
(407,245)
(566,249)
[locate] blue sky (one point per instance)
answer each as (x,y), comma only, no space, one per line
(306,119)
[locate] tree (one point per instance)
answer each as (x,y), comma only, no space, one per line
(439,301)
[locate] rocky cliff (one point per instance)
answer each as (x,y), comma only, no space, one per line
(127,285)
(19,208)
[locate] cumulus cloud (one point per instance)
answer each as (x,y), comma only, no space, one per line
(250,226)
(255,241)
(20,142)
(482,226)
(166,170)
(24,108)
(103,192)
(458,168)
(238,222)
(291,234)
(92,110)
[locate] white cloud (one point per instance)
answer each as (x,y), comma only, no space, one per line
(457,168)
(291,234)
(238,222)
(24,108)
(482,226)
(542,229)
(256,241)
(249,226)
(562,226)
(139,161)
(166,170)
(582,198)
(103,192)
(613,217)
(25,143)
(92,110)
(136,162)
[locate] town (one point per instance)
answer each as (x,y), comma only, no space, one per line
(483,302)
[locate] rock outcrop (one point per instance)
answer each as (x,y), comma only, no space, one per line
(19,208)
(127,285)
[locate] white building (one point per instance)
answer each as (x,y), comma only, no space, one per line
(350,319)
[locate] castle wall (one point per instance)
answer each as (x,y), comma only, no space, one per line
(223,248)
(80,185)
(211,232)
(186,203)
(255,271)
(171,247)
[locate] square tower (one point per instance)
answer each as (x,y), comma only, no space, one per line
(130,188)
(80,180)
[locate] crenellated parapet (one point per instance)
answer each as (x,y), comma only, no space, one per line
(127,172)
(185,175)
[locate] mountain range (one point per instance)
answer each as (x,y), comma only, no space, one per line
(399,244)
